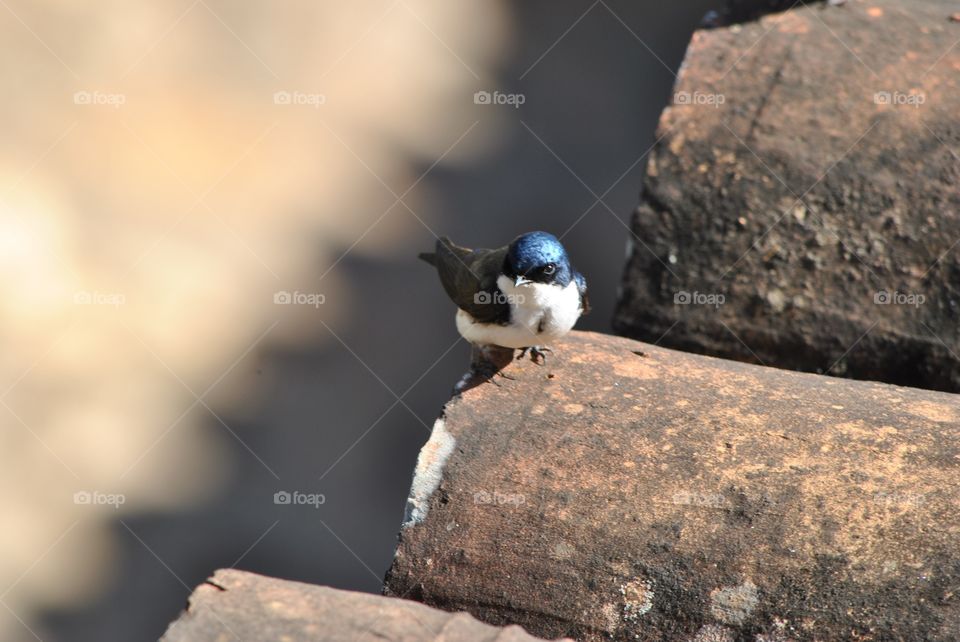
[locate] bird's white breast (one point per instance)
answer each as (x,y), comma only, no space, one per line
(539,314)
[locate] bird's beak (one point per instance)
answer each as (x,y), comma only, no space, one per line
(521,280)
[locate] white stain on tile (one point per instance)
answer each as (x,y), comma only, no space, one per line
(428,473)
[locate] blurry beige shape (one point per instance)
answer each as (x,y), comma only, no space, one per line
(147,222)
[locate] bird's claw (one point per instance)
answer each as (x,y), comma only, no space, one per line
(487,362)
(538,354)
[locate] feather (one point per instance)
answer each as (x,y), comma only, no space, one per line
(469,278)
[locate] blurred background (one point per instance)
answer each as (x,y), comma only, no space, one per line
(209,217)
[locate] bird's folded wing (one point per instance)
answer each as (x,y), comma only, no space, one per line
(470,280)
(582,288)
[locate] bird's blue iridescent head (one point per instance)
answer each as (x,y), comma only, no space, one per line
(538,257)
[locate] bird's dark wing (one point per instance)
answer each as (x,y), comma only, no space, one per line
(470,279)
(582,288)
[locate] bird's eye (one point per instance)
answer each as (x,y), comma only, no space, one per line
(549,269)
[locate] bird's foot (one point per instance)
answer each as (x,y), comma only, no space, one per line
(486,363)
(538,354)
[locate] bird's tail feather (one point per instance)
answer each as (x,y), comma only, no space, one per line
(431,257)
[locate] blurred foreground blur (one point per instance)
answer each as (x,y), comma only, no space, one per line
(166,169)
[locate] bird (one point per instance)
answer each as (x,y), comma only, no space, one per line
(523,296)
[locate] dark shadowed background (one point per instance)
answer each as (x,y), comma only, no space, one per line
(333,400)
